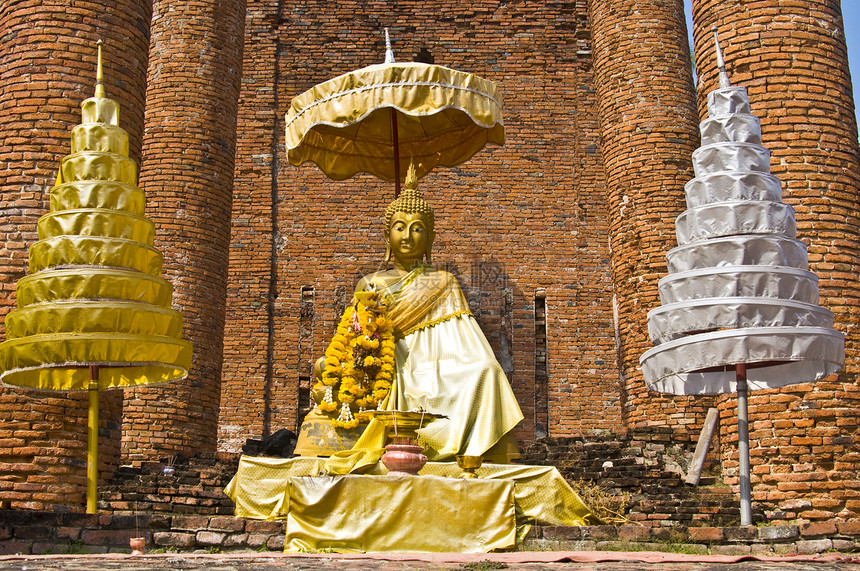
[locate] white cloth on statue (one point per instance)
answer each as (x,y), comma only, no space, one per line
(450,368)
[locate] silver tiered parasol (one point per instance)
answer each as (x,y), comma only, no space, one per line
(740,307)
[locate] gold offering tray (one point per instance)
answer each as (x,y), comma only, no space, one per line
(404,424)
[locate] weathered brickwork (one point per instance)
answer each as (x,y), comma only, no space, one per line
(45,533)
(576,209)
(649,130)
(791,56)
(187,173)
(47,67)
(528,216)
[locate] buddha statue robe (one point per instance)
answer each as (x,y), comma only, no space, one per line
(444,365)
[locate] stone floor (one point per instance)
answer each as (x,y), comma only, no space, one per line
(466,562)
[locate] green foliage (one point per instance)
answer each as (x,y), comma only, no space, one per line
(168,549)
(76,546)
(485,565)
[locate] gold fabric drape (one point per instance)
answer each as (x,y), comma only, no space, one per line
(260,488)
(98,222)
(422,298)
(445,365)
(93,283)
(400,514)
(343,125)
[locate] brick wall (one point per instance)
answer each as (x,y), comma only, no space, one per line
(187,173)
(47,67)
(649,129)
(600,119)
(185,539)
(513,220)
(791,56)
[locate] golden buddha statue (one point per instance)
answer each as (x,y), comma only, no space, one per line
(442,362)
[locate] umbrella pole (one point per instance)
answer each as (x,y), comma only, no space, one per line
(744,444)
(395,141)
(92,441)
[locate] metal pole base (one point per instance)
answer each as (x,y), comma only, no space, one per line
(93,442)
(744,444)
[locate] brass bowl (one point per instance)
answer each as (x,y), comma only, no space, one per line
(469,464)
(404,424)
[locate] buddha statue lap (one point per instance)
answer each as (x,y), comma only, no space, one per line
(442,362)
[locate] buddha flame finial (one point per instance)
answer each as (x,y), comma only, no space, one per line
(100,88)
(410,201)
(721,64)
(389,54)
(411,181)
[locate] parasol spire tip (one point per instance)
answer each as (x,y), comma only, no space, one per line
(721,64)
(389,54)
(100,88)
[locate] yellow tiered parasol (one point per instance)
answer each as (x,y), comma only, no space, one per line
(94,312)
(370,119)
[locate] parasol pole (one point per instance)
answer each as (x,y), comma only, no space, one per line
(395,140)
(93,440)
(744,443)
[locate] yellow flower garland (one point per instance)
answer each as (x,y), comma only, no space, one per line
(359,361)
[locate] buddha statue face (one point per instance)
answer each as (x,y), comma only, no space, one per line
(409,224)
(410,238)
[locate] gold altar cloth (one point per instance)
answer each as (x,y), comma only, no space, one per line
(343,125)
(260,488)
(399,513)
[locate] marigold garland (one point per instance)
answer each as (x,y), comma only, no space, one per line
(359,361)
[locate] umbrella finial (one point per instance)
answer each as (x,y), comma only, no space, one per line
(721,64)
(389,55)
(100,88)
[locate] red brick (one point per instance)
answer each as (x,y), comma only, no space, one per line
(601,120)
(187,172)
(708,534)
(39,103)
(817,529)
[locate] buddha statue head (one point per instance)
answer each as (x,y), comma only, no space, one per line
(409,222)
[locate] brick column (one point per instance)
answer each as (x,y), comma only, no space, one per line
(189,143)
(648,125)
(792,58)
(47,67)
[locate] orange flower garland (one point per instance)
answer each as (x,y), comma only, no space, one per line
(359,361)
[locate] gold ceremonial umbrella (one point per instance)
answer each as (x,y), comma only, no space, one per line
(94,312)
(371,119)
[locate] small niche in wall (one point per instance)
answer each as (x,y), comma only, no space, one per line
(305,353)
(541,367)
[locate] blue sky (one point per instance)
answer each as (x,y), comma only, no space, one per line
(851,19)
